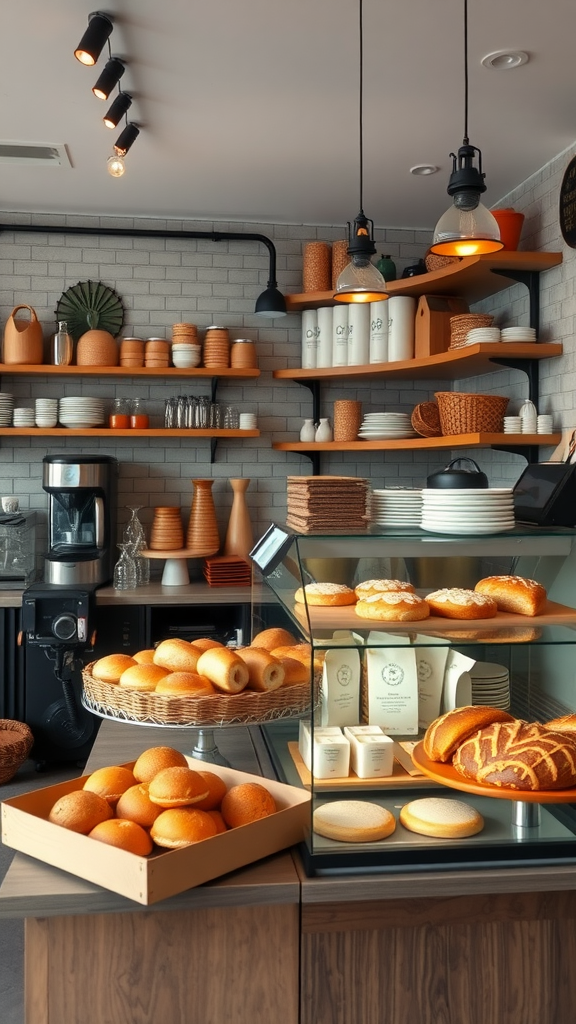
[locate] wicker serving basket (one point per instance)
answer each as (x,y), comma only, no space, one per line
(426,419)
(246,708)
(16,741)
(463,413)
(435,262)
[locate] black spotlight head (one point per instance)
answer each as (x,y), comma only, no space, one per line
(108,80)
(116,111)
(126,139)
(94,39)
(271,303)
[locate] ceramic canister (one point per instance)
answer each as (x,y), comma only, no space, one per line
(309,338)
(340,334)
(401,327)
(358,333)
(379,331)
(324,336)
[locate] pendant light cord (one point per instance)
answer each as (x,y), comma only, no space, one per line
(361,50)
(466,139)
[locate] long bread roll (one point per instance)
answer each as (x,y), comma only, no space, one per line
(224,668)
(266,673)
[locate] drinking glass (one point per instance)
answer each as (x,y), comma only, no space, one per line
(231,418)
(124,577)
(135,540)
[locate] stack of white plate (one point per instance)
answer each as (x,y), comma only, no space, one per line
(518,334)
(6,407)
(490,684)
(78,413)
(382,426)
(23,417)
(396,506)
(483,334)
(46,412)
(464,511)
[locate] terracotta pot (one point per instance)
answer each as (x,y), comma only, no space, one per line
(97,348)
(23,339)
(510,223)
(202,533)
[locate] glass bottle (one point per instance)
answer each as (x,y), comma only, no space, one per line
(124,577)
(138,418)
(135,539)
(62,346)
(119,417)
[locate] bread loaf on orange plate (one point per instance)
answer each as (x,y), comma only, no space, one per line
(447,732)
(518,755)
(514,594)
(265,671)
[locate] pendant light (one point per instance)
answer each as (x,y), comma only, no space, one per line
(94,39)
(360,281)
(467,228)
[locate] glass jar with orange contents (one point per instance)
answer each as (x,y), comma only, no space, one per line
(120,414)
(138,417)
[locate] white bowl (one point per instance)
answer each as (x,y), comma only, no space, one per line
(185,361)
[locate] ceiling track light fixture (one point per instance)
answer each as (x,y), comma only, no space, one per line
(467,228)
(109,78)
(360,281)
(94,39)
(117,110)
(126,139)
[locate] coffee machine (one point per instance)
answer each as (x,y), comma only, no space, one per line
(81,518)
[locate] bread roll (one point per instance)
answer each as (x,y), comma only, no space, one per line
(224,669)
(136,805)
(177,787)
(154,759)
(514,594)
(216,792)
(303,653)
(185,684)
(393,606)
(182,826)
(565,724)
(205,643)
(456,603)
(142,677)
(145,657)
(125,834)
(446,733)
(80,811)
(518,755)
(441,817)
(247,802)
(110,668)
(273,637)
(353,821)
(265,671)
(110,782)
(177,655)
(325,594)
(370,587)
(295,672)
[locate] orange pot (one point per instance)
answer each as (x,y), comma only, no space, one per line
(23,338)
(510,223)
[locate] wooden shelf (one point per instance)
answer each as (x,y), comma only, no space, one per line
(472,278)
(423,443)
(47,370)
(108,432)
(470,361)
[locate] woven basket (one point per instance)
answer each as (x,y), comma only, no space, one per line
(463,413)
(435,262)
(16,742)
(426,419)
(246,708)
(464,322)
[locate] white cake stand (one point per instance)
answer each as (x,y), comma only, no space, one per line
(175,572)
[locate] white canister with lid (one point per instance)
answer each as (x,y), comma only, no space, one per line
(401,327)
(529,418)
(358,333)
(379,331)
(340,334)
(324,335)
(309,338)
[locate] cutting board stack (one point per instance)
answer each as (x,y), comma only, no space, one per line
(318,503)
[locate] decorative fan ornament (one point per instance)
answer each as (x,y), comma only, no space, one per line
(89,305)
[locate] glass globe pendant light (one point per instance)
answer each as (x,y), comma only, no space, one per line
(467,228)
(360,281)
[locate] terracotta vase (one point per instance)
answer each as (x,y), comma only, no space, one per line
(202,534)
(239,537)
(510,223)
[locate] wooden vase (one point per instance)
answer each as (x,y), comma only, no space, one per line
(239,537)
(202,533)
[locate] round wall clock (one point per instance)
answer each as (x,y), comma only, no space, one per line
(567,205)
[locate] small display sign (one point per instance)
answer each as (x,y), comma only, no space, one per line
(567,205)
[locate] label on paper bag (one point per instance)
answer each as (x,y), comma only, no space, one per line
(340,690)
(392,685)
(457,690)
(430,665)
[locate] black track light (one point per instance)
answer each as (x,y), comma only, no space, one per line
(111,75)
(119,108)
(94,39)
(126,139)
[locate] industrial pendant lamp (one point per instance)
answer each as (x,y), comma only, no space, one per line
(467,228)
(360,281)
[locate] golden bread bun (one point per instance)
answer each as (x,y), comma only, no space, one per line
(370,587)
(446,733)
(206,644)
(154,759)
(80,811)
(265,672)
(176,655)
(142,677)
(273,637)
(125,834)
(441,817)
(177,787)
(218,820)
(327,595)
(247,802)
(514,594)
(457,603)
(518,755)
(110,668)
(295,671)
(144,657)
(303,653)
(224,668)
(110,782)
(185,684)
(216,790)
(565,724)
(353,821)
(393,606)
(136,805)
(182,826)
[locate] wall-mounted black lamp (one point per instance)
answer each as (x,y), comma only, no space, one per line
(126,139)
(108,80)
(117,110)
(94,39)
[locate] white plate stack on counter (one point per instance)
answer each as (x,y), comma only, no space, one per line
(490,684)
(396,507)
(468,512)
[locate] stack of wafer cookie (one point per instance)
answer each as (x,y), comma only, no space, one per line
(326,503)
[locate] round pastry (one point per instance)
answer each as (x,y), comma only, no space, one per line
(110,668)
(142,677)
(177,655)
(125,834)
(441,817)
(80,811)
(216,791)
(295,671)
(273,637)
(327,595)
(154,759)
(446,733)
(185,684)
(110,782)
(265,671)
(370,587)
(247,802)
(136,805)
(393,606)
(177,787)
(514,594)
(205,643)
(224,669)
(518,755)
(353,821)
(145,657)
(455,603)
(182,826)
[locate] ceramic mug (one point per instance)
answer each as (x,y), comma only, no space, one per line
(10,505)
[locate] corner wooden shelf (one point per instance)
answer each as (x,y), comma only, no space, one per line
(505,441)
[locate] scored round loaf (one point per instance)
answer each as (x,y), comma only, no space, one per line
(441,817)
(457,603)
(370,587)
(327,595)
(224,669)
(447,732)
(177,655)
(518,755)
(265,671)
(393,606)
(514,594)
(353,821)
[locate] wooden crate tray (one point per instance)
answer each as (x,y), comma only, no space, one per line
(400,778)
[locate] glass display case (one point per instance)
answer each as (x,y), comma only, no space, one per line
(377,685)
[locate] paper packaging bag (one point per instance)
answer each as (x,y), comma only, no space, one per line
(392,685)
(430,665)
(340,688)
(457,690)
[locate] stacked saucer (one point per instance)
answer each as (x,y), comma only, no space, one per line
(6,407)
(512,424)
(81,412)
(518,334)
(23,417)
(46,412)
(487,335)
(396,506)
(490,684)
(227,571)
(381,426)
(464,511)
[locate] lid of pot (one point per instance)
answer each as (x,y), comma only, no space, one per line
(450,477)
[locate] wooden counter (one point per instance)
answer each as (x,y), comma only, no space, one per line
(156,593)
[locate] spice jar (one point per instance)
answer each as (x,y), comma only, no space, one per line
(120,415)
(138,418)
(243,354)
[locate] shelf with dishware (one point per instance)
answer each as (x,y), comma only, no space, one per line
(509,442)
(200,372)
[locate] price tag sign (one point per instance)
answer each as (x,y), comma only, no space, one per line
(567,205)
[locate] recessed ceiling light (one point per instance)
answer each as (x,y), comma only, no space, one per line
(504,60)
(423,169)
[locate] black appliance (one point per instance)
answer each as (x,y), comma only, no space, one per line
(545,494)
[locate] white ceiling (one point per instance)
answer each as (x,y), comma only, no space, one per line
(249,108)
